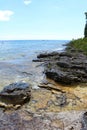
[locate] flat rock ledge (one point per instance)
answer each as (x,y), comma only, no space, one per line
(65,67)
(24,120)
(15,94)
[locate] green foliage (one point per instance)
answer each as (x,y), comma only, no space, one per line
(79,45)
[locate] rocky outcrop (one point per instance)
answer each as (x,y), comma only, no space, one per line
(15,93)
(65,67)
(51,108)
(44,55)
(25,120)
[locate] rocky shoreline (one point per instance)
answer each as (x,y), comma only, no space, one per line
(51,109)
(65,67)
(52,106)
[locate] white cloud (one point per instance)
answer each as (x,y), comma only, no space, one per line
(27,2)
(5,15)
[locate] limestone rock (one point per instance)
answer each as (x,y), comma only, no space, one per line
(15,93)
(65,67)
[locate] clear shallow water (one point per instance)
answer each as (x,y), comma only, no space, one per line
(16,60)
(21,49)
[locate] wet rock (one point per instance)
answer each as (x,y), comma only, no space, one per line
(15,93)
(44,55)
(62,77)
(65,67)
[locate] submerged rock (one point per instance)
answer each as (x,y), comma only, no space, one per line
(15,93)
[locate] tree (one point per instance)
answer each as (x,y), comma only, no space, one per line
(85,30)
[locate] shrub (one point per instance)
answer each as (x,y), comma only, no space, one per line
(79,45)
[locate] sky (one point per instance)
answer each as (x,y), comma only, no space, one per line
(42,19)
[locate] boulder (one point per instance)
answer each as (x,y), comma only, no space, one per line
(16,93)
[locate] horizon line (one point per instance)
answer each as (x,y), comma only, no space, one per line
(30,39)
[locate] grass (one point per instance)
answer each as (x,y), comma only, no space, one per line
(79,45)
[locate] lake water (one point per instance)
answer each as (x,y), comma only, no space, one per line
(16,59)
(19,49)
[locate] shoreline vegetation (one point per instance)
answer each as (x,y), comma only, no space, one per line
(78,44)
(67,67)
(60,102)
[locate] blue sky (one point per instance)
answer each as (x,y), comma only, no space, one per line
(42,19)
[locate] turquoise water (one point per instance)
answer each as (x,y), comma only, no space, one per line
(22,49)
